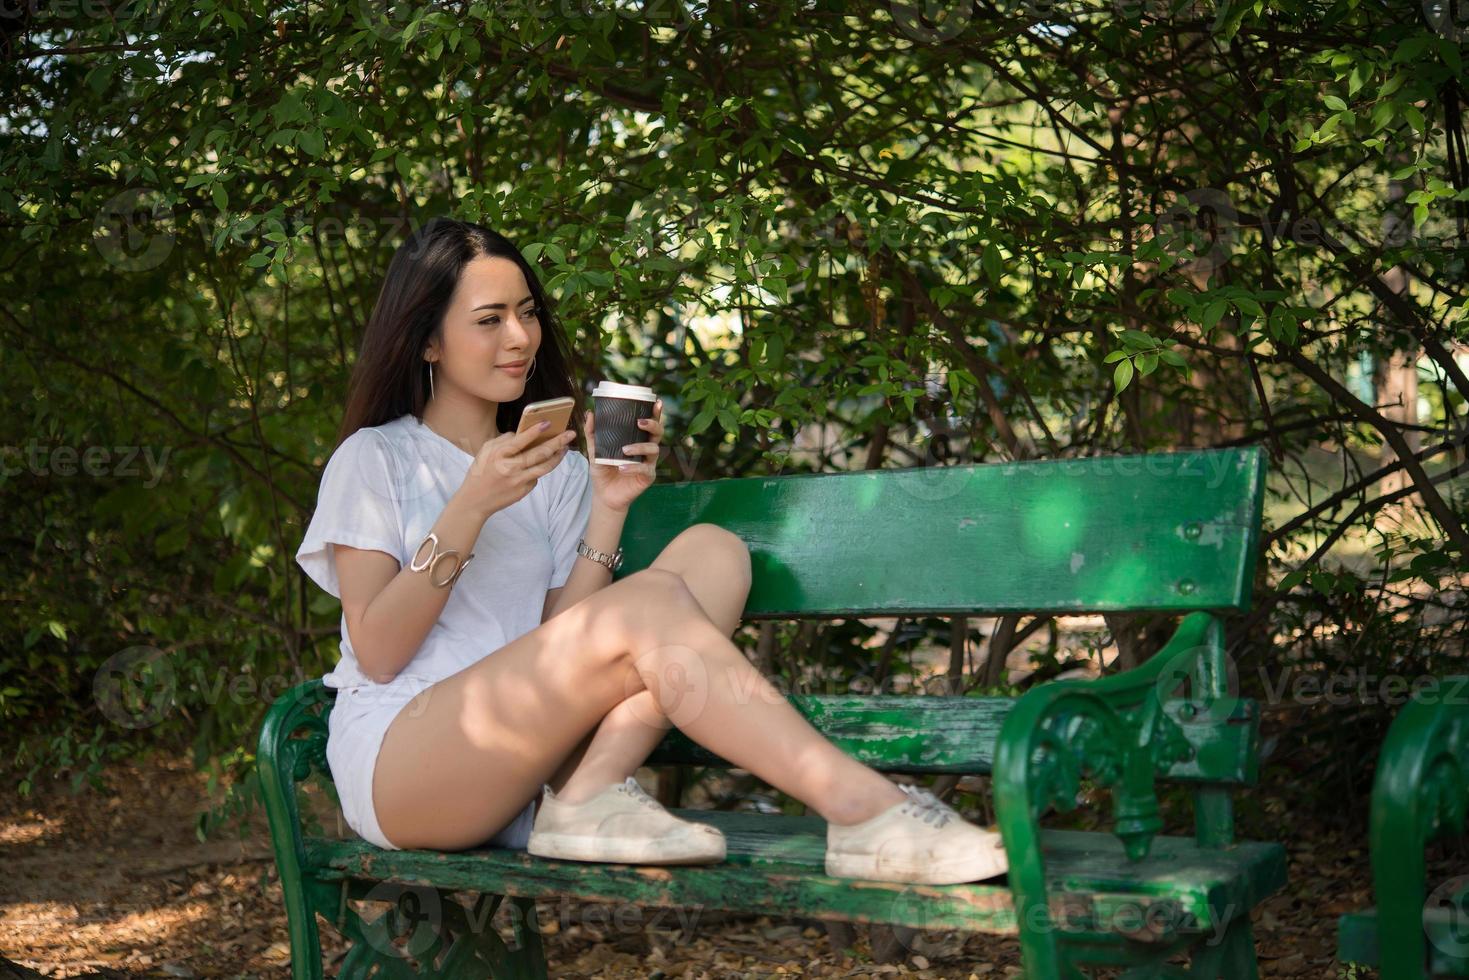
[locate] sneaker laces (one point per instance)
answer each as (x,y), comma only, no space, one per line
(631,787)
(924,804)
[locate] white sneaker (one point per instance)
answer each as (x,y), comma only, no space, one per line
(921,840)
(621,824)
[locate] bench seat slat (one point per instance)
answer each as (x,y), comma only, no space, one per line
(775,865)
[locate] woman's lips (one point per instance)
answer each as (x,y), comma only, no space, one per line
(517,368)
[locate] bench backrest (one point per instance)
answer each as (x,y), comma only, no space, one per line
(1160,531)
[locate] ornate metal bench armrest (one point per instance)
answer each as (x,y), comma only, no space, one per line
(284,761)
(1121,731)
(1419,793)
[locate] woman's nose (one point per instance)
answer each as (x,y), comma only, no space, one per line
(522,330)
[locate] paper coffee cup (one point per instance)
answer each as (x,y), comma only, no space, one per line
(617,409)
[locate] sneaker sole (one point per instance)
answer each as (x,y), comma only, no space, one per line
(582,847)
(956,872)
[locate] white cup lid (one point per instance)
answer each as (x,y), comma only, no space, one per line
(611,389)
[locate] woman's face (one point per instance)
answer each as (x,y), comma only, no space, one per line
(491,321)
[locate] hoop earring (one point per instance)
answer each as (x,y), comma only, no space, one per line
(430,380)
(532,369)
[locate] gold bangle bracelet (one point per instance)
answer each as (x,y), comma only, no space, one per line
(431,563)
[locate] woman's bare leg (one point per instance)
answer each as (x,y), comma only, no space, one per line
(613,750)
(715,565)
(461,760)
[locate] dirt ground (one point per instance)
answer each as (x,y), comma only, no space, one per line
(117,884)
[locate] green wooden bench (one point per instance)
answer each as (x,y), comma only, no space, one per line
(1420,793)
(1172,532)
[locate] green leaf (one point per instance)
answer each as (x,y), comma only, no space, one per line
(311,142)
(1335,102)
(1122,375)
(172,541)
(701,421)
(993,263)
(221,198)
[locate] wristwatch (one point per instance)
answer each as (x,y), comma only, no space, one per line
(612,561)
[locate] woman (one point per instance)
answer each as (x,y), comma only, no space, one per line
(486,653)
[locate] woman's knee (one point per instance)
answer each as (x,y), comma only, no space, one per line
(663,598)
(714,543)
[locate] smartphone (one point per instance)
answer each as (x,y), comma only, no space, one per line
(558,410)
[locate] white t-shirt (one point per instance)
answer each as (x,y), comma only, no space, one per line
(385,486)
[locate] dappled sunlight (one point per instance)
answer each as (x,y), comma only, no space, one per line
(14,833)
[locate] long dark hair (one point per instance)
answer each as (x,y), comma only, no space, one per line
(391,376)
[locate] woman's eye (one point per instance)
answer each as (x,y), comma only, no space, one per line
(532,312)
(491,321)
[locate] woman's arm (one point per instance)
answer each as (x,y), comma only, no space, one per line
(604,531)
(390,609)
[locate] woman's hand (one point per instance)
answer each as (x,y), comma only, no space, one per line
(618,486)
(507,468)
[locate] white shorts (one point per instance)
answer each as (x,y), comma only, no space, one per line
(359,720)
